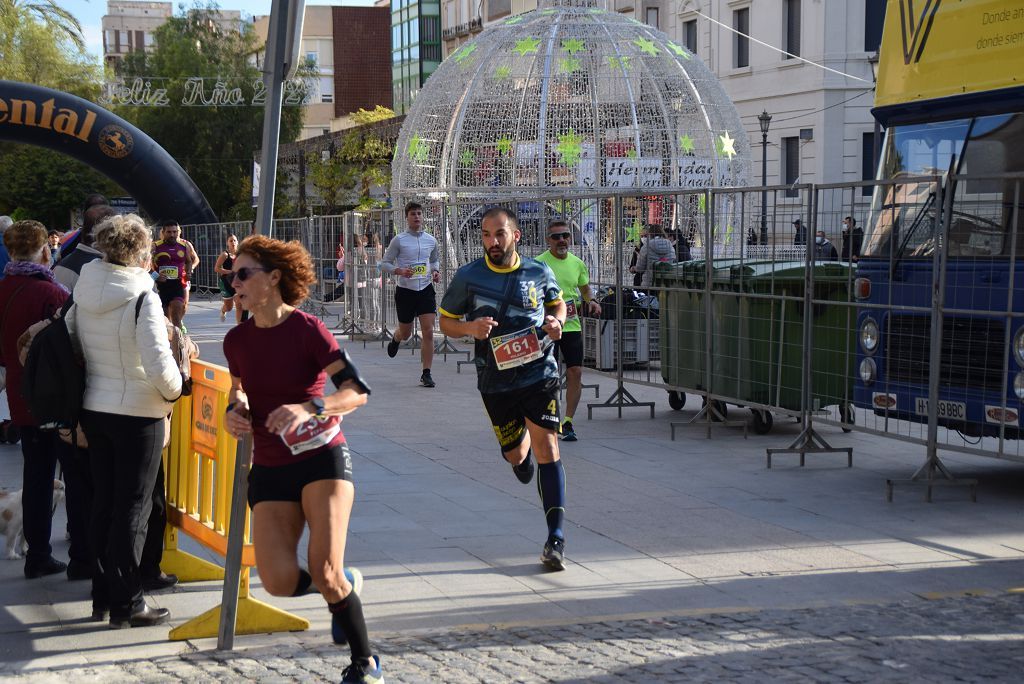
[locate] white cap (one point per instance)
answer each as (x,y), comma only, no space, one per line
(5,223)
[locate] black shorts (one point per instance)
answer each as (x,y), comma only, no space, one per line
(413,303)
(169,291)
(285,483)
(571,348)
(509,411)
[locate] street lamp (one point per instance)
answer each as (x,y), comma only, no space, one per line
(764,120)
(876,139)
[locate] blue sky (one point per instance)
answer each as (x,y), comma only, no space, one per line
(90,13)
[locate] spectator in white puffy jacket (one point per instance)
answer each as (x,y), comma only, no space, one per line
(657,249)
(131,382)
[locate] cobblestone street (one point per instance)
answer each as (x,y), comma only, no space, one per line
(972,638)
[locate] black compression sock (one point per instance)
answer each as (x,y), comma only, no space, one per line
(551,484)
(349,611)
(305,584)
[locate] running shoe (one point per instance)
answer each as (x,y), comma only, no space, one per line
(355,578)
(568,433)
(551,556)
(393,348)
(426,380)
(524,471)
(358,673)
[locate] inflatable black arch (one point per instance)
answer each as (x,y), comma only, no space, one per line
(35,115)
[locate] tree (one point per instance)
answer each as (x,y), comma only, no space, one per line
(362,161)
(60,21)
(37,182)
(214,144)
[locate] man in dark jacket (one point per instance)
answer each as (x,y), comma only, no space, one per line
(67,269)
(853,238)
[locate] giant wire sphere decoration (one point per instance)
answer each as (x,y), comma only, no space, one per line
(569,100)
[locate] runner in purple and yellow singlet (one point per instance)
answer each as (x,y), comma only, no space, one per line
(173,262)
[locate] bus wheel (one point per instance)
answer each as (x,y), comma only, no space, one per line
(846,415)
(763,421)
(677,400)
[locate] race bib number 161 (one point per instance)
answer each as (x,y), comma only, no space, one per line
(515,349)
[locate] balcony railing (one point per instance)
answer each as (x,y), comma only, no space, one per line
(462,29)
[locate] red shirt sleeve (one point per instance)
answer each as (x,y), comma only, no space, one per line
(323,346)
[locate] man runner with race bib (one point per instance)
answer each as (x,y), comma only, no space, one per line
(412,256)
(574,279)
(173,262)
(513,308)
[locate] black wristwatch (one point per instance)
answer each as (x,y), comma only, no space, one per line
(318,404)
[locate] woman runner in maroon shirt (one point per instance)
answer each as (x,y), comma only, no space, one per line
(279,361)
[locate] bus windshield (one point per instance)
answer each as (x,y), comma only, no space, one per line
(904,216)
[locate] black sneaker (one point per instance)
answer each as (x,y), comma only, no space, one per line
(426,380)
(524,471)
(393,348)
(50,566)
(568,433)
(357,673)
(551,556)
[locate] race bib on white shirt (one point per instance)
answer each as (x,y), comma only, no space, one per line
(418,269)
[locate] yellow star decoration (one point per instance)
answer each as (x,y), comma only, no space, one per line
(646,45)
(567,66)
(633,231)
(419,149)
(569,148)
(504,146)
(680,52)
(464,53)
(502,72)
(526,46)
(572,46)
(726,146)
(686,144)
(619,62)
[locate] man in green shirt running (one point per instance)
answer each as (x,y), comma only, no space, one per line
(574,279)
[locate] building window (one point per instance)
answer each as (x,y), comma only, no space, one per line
(690,35)
(791,164)
(874,16)
(791,17)
(311,57)
(652,16)
(741,43)
(498,8)
(450,19)
(867,163)
(327,89)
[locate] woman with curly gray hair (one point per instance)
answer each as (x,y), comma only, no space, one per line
(131,382)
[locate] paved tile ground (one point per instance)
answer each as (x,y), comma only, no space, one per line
(688,560)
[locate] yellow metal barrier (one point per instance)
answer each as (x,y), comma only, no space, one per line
(199,463)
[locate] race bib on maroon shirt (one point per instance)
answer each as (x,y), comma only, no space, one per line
(316,432)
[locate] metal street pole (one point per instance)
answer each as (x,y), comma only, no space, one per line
(283,42)
(764,120)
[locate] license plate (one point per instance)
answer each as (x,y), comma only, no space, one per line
(955,410)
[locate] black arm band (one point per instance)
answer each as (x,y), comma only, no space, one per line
(349,372)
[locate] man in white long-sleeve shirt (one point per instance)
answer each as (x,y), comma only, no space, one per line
(412,256)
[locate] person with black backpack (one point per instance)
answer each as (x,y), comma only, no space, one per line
(29,294)
(131,382)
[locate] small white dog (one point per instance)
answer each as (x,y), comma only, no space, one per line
(11,522)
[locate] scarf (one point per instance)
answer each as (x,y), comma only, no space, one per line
(27,268)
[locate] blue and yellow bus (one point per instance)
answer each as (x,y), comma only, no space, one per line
(946,220)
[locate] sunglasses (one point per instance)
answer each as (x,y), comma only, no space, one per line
(246,271)
(560,236)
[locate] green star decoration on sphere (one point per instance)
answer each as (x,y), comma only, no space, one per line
(680,52)
(702,203)
(502,72)
(619,62)
(504,146)
(526,46)
(567,66)
(646,45)
(632,153)
(572,46)
(419,149)
(726,146)
(569,148)
(467,157)
(548,12)
(514,20)
(596,10)
(633,232)
(686,144)
(464,53)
